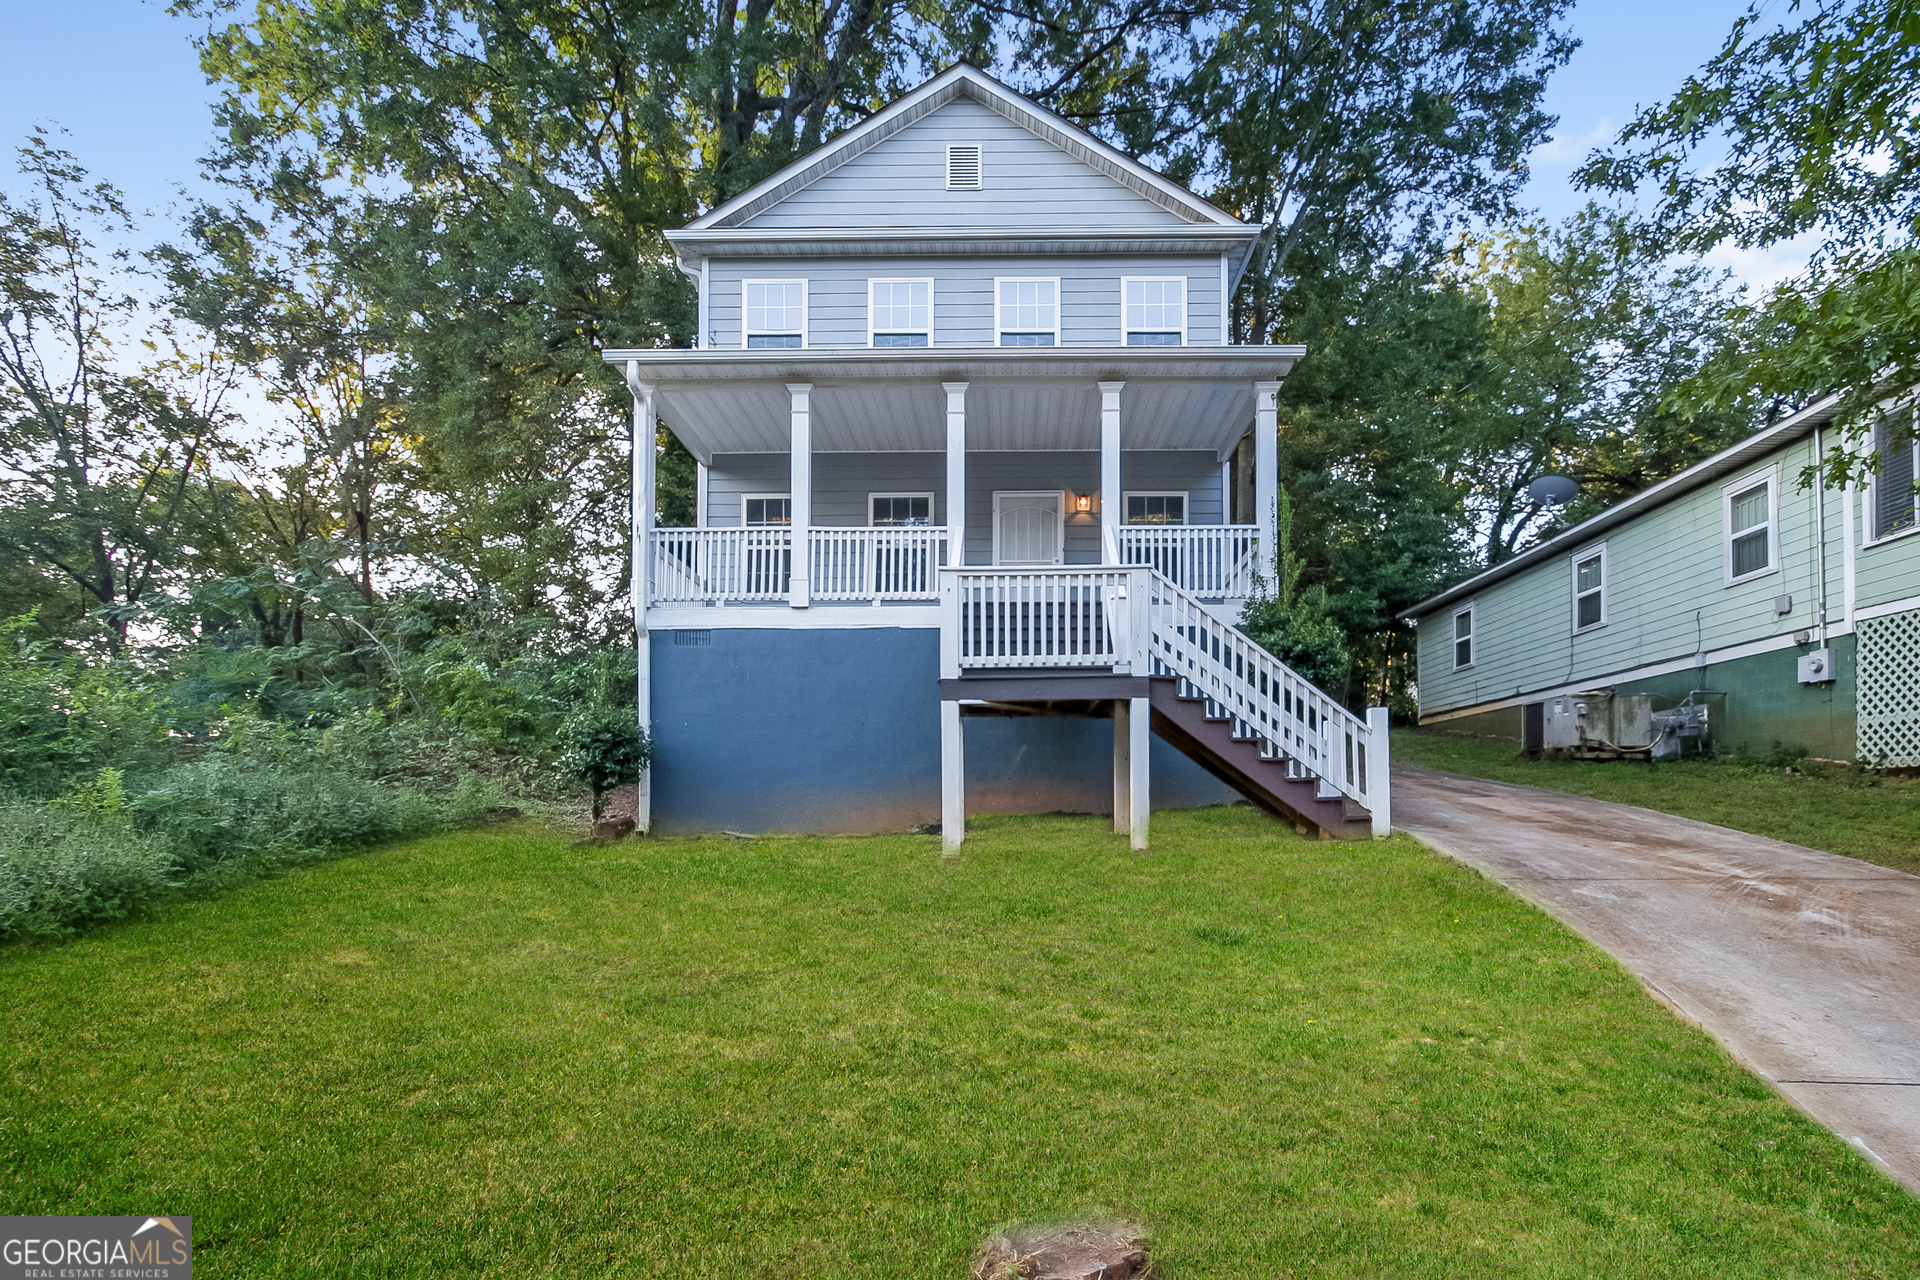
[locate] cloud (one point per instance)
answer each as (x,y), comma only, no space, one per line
(1761,269)
(1561,149)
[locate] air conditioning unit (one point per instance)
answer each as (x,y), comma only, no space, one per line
(1597,721)
(1678,729)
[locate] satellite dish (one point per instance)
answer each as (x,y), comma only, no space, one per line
(1552,491)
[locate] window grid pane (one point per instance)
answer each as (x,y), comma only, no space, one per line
(1156,509)
(901,306)
(1156,304)
(1750,553)
(1463,652)
(1749,509)
(1589,574)
(775,306)
(1588,612)
(1028,305)
(769,511)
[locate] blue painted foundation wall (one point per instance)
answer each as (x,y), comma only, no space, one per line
(839,731)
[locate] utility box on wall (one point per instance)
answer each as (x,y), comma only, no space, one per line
(1817,667)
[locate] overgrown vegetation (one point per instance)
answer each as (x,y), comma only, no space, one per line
(502,1053)
(1847,809)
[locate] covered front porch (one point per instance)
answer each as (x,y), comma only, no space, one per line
(839,480)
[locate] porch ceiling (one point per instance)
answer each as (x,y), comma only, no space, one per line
(1175,397)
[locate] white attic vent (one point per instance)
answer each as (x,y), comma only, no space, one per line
(963,166)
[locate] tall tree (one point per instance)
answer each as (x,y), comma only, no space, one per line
(1790,130)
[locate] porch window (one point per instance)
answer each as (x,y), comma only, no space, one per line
(1463,638)
(894,509)
(1028,312)
(766,509)
(1750,519)
(1156,508)
(1156,310)
(899,313)
(1590,588)
(1893,505)
(774,313)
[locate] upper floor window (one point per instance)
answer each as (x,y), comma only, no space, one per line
(963,166)
(1893,505)
(1156,508)
(1463,638)
(899,313)
(1751,518)
(774,313)
(1028,312)
(766,508)
(1590,588)
(1155,311)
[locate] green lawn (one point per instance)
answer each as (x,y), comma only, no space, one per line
(496,1053)
(1822,806)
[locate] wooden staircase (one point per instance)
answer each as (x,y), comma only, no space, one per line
(1206,735)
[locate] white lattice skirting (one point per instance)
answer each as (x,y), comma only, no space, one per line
(1889,698)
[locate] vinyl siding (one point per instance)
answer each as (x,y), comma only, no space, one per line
(1667,598)
(963,313)
(843,481)
(1886,571)
(1026,182)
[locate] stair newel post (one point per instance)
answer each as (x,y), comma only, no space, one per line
(1379,772)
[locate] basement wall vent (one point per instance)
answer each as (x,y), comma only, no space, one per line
(693,637)
(963,167)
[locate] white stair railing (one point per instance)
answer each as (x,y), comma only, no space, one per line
(1037,617)
(1214,560)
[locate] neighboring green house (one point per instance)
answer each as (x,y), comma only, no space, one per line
(1710,587)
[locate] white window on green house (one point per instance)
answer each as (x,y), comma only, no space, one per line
(1897,446)
(1028,312)
(900,313)
(1463,638)
(1590,588)
(1156,311)
(767,509)
(774,313)
(1156,508)
(1750,528)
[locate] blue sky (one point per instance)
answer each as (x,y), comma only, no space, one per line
(140,112)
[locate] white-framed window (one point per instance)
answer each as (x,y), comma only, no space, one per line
(1153,310)
(1590,588)
(1029,526)
(1752,513)
(1156,508)
(963,166)
(1890,495)
(899,313)
(1463,637)
(766,509)
(1027,311)
(773,313)
(894,509)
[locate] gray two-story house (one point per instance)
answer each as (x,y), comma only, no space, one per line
(966,416)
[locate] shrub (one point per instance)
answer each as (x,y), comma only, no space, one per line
(605,747)
(60,869)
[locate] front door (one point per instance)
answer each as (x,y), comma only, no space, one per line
(1028,527)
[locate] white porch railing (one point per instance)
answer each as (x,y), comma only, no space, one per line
(710,565)
(1211,560)
(1138,621)
(900,562)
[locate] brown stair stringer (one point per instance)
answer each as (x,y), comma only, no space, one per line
(1210,744)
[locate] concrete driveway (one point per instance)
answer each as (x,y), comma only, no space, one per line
(1805,964)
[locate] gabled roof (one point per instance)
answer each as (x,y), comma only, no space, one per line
(1752,449)
(1205,224)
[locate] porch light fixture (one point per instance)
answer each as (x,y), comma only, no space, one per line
(1083,503)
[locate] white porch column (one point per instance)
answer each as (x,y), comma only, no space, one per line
(956,473)
(1112,505)
(700,495)
(1380,771)
(1122,767)
(642,521)
(1139,725)
(800,492)
(953,777)
(1266,471)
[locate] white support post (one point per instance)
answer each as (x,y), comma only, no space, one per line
(1122,768)
(956,473)
(953,777)
(642,521)
(1379,772)
(800,492)
(1266,471)
(1139,724)
(700,495)
(1112,505)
